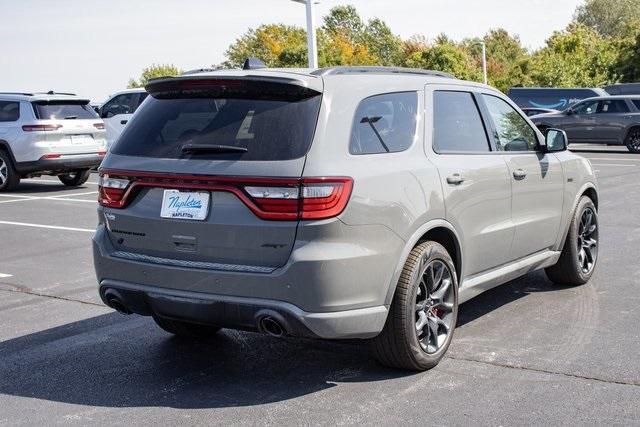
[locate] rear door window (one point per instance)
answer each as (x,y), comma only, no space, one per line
(636,102)
(125,103)
(616,106)
(63,110)
(384,124)
(9,111)
(457,124)
(269,129)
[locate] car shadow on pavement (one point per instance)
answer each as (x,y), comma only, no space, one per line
(503,295)
(126,361)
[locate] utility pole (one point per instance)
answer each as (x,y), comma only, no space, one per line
(484,61)
(312,44)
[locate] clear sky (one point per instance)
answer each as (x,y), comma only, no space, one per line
(93,47)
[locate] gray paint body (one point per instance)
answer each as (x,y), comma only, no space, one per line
(337,277)
(597,128)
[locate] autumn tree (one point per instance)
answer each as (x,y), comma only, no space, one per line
(578,57)
(152,72)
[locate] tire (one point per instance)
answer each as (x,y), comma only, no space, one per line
(9,178)
(580,252)
(632,141)
(186,329)
(403,343)
(75,179)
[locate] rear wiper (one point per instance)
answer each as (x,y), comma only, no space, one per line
(211,148)
(71,117)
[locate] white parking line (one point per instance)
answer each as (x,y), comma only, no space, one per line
(62,197)
(615,164)
(51,227)
(53,181)
(73,194)
(4,275)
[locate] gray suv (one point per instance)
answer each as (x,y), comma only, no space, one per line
(613,120)
(336,203)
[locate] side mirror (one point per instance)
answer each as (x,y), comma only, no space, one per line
(556,141)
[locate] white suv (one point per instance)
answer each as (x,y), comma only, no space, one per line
(118,109)
(48,134)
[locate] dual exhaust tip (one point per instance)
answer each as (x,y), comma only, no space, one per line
(272,326)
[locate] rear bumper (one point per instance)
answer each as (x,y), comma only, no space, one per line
(243,313)
(66,163)
(327,289)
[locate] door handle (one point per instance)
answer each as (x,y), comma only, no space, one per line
(455,179)
(123,122)
(519,174)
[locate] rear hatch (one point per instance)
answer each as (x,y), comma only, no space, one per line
(208,172)
(71,125)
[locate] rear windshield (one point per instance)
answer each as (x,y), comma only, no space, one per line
(269,129)
(61,110)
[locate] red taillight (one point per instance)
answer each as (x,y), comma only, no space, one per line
(36,128)
(50,156)
(102,153)
(99,126)
(280,199)
(112,191)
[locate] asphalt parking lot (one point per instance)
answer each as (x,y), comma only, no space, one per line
(524,353)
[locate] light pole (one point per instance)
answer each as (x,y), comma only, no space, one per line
(312,45)
(484,61)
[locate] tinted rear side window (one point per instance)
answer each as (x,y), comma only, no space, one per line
(384,124)
(268,129)
(457,124)
(9,111)
(636,102)
(60,110)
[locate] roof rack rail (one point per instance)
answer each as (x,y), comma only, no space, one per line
(379,70)
(16,93)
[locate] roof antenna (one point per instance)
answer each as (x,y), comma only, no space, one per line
(253,64)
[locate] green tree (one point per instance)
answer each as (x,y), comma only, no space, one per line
(344,20)
(153,72)
(380,41)
(608,18)
(507,60)
(577,56)
(277,45)
(445,57)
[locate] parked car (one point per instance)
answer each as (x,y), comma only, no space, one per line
(535,111)
(48,134)
(551,98)
(623,89)
(118,109)
(338,203)
(613,120)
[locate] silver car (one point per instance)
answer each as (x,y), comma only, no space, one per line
(335,203)
(48,134)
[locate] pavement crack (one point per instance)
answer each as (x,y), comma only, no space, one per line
(545,371)
(23,290)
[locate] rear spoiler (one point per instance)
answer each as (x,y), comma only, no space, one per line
(253,87)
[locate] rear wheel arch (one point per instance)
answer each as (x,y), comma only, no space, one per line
(4,146)
(439,231)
